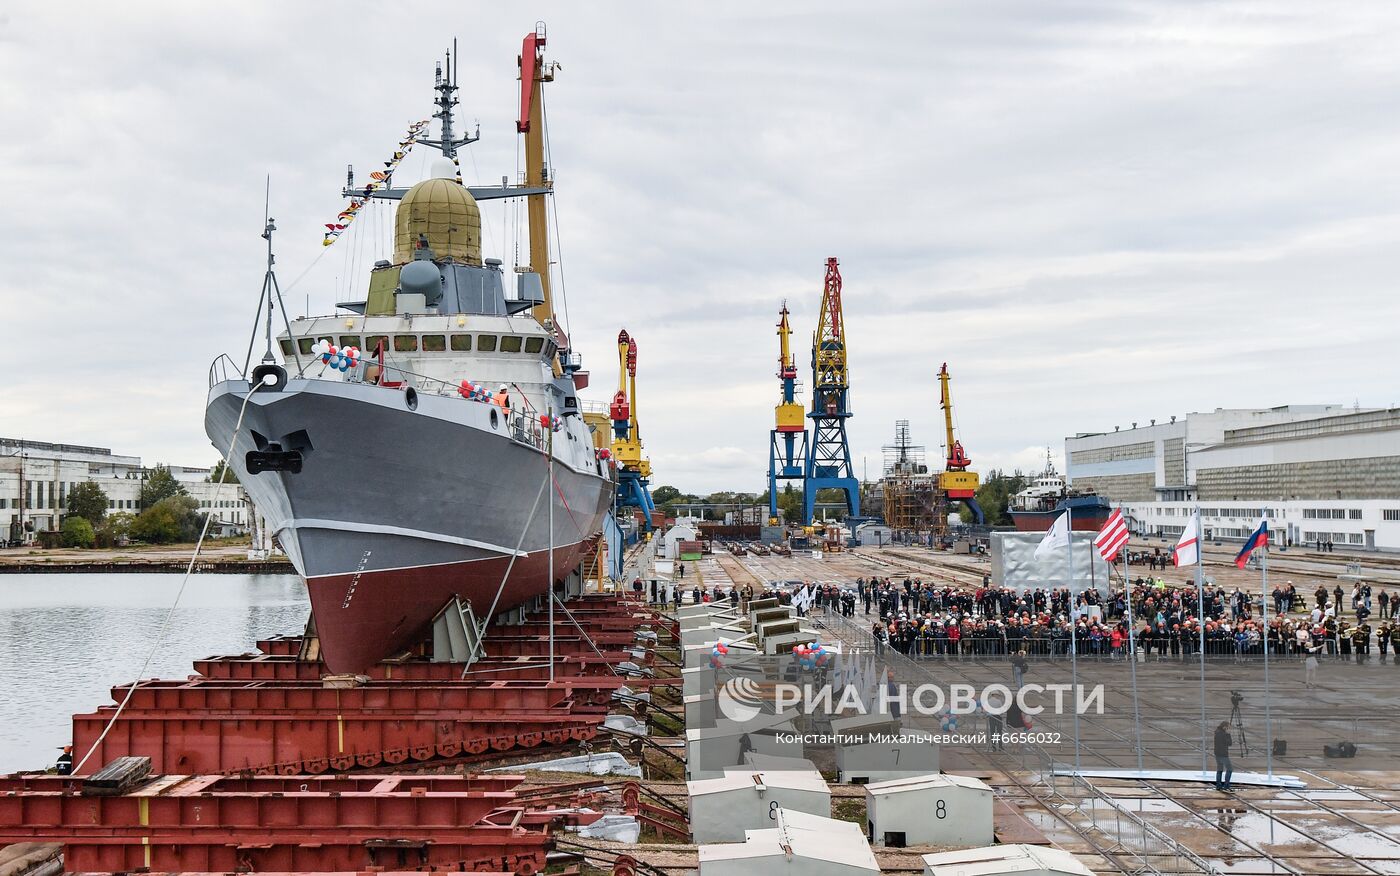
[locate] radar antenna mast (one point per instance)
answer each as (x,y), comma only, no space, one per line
(270,290)
(446,87)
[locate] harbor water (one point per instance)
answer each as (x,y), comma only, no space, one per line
(66,639)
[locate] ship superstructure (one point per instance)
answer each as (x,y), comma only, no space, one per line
(426,443)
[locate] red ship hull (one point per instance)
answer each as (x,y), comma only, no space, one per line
(361,617)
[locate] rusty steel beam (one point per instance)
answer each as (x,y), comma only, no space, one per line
(220,824)
(479,702)
(262,667)
(316,742)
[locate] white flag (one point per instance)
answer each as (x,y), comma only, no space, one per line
(1188,547)
(1057,536)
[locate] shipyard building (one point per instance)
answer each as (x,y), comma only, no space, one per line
(1324,473)
(35,477)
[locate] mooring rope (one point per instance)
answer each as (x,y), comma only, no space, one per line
(169,615)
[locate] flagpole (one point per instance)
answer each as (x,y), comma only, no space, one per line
(1132,651)
(1073,633)
(1264,602)
(1201,626)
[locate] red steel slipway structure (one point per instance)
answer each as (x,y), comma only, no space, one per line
(262,762)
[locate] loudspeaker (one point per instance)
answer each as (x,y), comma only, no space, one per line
(1280,747)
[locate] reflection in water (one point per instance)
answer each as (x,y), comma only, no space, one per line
(1227,817)
(65,640)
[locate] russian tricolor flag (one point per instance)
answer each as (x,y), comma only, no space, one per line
(1260,539)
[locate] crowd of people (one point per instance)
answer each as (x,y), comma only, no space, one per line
(930,620)
(1168,621)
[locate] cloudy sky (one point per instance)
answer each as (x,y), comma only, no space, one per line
(1095,212)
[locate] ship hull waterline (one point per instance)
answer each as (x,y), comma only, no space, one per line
(388,520)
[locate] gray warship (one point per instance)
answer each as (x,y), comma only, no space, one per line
(406,451)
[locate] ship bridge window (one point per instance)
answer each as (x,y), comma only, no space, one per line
(511,343)
(305,345)
(373,341)
(486,343)
(405,343)
(461,343)
(286,346)
(534,345)
(434,343)
(349,340)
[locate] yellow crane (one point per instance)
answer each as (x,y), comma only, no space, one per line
(956,481)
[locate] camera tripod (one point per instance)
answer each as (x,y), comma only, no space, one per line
(1237,724)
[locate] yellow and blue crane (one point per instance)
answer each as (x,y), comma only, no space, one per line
(829,460)
(633,468)
(787,459)
(956,482)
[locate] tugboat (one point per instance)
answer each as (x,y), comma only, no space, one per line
(1035,508)
(426,444)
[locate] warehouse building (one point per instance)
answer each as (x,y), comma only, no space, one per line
(1319,473)
(35,477)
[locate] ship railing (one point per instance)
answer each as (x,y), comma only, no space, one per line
(223,369)
(523,425)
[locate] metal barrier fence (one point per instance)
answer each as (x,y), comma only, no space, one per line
(1121,836)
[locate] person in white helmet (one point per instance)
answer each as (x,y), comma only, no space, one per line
(502,398)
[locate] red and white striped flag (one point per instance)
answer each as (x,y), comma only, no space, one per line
(1113,536)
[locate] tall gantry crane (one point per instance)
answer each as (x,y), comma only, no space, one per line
(787,461)
(633,469)
(829,460)
(956,482)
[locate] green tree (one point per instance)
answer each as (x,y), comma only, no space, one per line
(789,503)
(78,532)
(158,486)
(174,518)
(88,501)
(117,526)
(665,494)
(831,495)
(994,495)
(221,474)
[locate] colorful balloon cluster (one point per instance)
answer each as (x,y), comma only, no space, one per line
(810,655)
(340,358)
(552,423)
(473,391)
(378,179)
(717,655)
(947,722)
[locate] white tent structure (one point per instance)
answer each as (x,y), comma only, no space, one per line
(722,809)
(671,541)
(798,844)
(1014,859)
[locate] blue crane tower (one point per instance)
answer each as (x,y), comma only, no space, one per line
(787,459)
(633,468)
(829,460)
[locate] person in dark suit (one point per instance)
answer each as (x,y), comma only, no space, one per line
(1223,766)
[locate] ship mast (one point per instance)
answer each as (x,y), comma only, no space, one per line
(446,87)
(533,73)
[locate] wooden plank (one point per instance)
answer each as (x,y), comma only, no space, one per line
(117,777)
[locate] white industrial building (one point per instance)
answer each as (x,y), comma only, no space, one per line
(35,477)
(1317,472)
(939,809)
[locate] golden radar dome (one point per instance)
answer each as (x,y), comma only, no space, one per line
(446,213)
